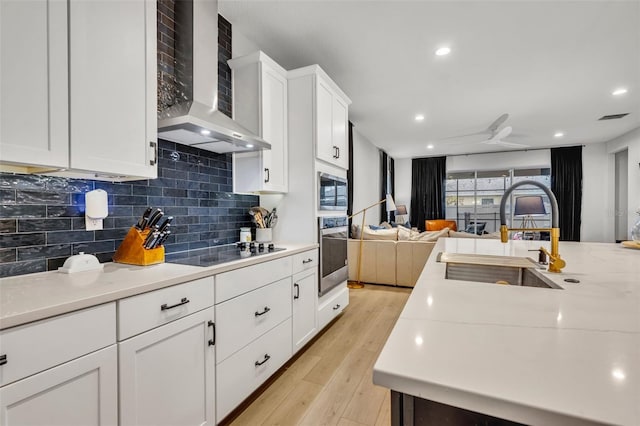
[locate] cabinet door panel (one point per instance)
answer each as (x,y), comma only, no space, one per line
(274,127)
(167,374)
(112,72)
(339,132)
(305,290)
(81,392)
(324,122)
(33,83)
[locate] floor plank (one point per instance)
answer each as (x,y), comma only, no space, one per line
(330,382)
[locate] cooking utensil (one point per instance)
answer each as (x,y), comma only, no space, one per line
(148,240)
(165,224)
(162,238)
(144,219)
(155,218)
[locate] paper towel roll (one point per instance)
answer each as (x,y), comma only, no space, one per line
(96,206)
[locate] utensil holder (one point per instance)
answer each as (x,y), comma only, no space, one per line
(132,252)
(264,235)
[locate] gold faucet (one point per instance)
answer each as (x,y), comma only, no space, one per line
(555,262)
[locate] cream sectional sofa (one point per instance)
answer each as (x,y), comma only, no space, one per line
(392,261)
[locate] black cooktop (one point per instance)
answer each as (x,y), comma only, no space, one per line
(220,254)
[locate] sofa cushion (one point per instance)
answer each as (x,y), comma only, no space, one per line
(380,234)
(454,234)
(430,235)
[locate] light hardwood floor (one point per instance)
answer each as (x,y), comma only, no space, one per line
(330,383)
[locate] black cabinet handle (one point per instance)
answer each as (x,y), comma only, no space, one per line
(213,340)
(3,359)
(296,287)
(266,358)
(154,145)
(335,308)
(338,148)
(267,175)
(182,301)
(266,309)
(336,152)
(307,261)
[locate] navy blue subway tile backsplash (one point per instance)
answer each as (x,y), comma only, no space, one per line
(42,217)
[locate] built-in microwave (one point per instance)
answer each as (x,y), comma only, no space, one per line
(332,192)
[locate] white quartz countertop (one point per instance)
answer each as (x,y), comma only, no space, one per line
(532,355)
(32,297)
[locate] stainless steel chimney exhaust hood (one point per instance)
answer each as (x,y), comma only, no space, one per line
(194,119)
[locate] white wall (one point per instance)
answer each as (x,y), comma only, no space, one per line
(631,142)
(499,160)
(366,178)
(597,215)
(241,45)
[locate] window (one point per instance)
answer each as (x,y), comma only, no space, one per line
(474,197)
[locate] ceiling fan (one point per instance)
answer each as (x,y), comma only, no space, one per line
(495,136)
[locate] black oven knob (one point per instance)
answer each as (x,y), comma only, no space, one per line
(261,247)
(243,246)
(252,247)
(271,247)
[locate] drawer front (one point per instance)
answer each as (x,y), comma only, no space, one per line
(146,311)
(234,283)
(305,260)
(247,317)
(38,346)
(247,369)
(333,307)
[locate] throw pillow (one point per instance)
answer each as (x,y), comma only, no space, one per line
(430,235)
(380,234)
(386,225)
(404,234)
(355,232)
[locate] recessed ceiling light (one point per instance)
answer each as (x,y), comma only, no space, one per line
(443,51)
(249,145)
(419,117)
(205,132)
(558,135)
(620,91)
(430,146)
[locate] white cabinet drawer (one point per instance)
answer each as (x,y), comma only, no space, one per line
(38,346)
(146,311)
(247,369)
(332,307)
(244,318)
(234,283)
(305,260)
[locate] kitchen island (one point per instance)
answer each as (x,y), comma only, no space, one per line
(525,354)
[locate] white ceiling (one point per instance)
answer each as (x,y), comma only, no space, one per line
(551,65)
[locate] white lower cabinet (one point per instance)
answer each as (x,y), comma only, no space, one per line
(246,370)
(332,305)
(81,392)
(167,374)
(305,291)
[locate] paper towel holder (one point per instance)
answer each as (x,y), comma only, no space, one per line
(96,208)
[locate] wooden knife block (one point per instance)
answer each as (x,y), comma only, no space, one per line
(132,252)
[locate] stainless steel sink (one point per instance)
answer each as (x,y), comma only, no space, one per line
(495,269)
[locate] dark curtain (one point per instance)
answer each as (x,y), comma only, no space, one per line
(427,189)
(383,184)
(566,185)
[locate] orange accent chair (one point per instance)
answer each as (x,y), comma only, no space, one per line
(439,224)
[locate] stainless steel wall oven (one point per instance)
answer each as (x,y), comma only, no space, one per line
(333,233)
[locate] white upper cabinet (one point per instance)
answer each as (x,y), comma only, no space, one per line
(112,60)
(33,83)
(78,88)
(330,114)
(260,105)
